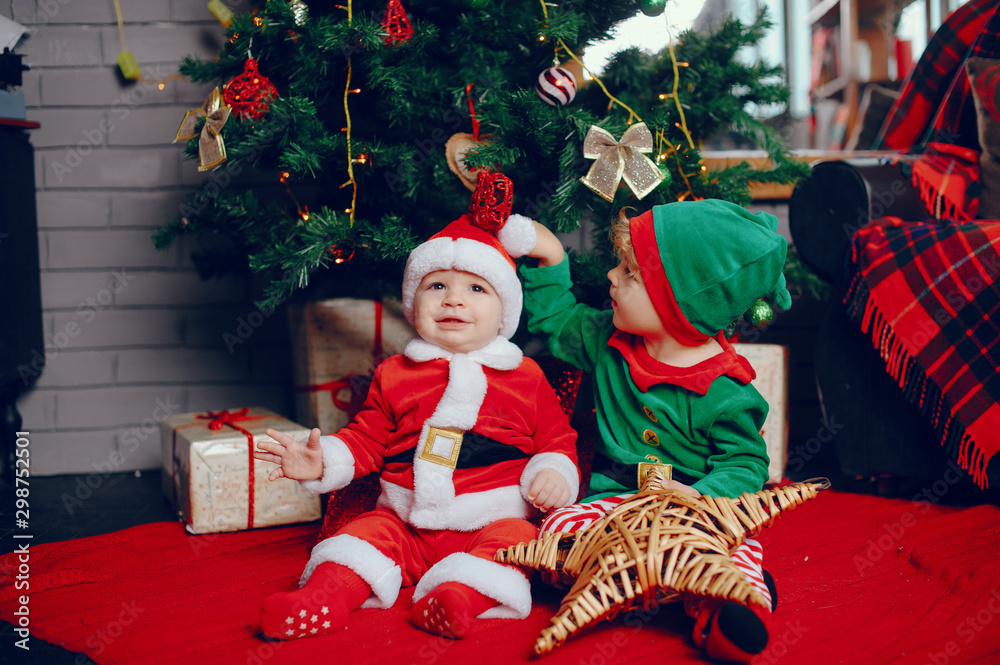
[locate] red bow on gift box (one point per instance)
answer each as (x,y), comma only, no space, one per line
(337,385)
(218,419)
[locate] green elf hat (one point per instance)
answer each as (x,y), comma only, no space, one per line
(705,263)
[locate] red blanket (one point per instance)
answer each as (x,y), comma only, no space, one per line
(930,296)
(860,580)
(935,103)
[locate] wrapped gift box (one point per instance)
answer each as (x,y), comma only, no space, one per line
(770,362)
(337,344)
(207,470)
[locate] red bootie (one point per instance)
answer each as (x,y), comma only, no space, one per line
(729,631)
(450,609)
(321,606)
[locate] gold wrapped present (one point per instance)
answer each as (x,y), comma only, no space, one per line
(770,362)
(337,344)
(211,478)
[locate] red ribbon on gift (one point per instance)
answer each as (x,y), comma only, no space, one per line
(345,382)
(334,387)
(220,418)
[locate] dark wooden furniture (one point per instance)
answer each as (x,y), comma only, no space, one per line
(22,347)
(881,433)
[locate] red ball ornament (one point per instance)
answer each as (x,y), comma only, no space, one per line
(491,202)
(250,93)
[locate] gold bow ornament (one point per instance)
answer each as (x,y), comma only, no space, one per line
(211,148)
(620,159)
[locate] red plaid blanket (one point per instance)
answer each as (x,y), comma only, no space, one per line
(935,102)
(929,294)
(928,291)
(935,116)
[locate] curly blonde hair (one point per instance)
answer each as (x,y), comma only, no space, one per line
(621,240)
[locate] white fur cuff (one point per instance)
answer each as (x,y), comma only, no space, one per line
(508,586)
(557,462)
(338,467)
(381,573)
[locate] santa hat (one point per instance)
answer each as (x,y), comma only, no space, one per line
(706,262)
(463,246)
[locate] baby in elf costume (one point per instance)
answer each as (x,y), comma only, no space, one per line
(468,438)
(668,387)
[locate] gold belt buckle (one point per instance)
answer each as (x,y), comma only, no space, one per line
(666,471)
(456,445)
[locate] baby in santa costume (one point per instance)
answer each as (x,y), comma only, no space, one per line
(468,438)
(668,386)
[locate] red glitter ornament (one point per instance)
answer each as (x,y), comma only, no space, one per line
(491,202)
(396,23)
(250,93)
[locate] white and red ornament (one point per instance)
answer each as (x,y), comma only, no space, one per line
(556,86)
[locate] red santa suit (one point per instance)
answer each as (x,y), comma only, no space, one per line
(457,440)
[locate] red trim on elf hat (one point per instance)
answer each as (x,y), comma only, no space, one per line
(647,252)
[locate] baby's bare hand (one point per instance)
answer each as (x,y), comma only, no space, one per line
(298,460)
(548,490)
(681,487)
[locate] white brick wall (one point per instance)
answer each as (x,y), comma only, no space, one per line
(129,331)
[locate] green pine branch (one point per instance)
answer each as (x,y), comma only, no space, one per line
(413,98)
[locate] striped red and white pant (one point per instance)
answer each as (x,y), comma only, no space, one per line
(748,557)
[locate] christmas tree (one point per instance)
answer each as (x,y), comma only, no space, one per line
(341,136)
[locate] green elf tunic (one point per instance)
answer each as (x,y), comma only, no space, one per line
(705,420)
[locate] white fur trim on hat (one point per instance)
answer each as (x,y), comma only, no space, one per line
(518,235)
(472,256)
(508,586)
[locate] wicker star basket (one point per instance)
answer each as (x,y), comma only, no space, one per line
(651,549)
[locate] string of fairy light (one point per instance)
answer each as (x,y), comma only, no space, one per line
(126,61)
(348,91)
(664,148)
(561,44)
